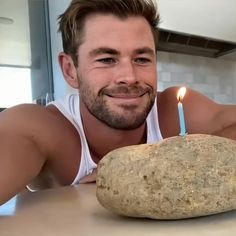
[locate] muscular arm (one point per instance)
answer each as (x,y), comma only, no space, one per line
(226,117)
(36,142)
(202,115)
(21,157)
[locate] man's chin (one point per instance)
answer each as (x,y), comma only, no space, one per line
(127,123)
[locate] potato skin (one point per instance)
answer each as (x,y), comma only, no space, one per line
(179,177)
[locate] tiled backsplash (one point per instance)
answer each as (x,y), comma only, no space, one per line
(216,78)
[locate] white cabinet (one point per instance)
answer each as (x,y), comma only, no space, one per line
(211,18)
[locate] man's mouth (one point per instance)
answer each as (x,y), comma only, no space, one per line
(126,95)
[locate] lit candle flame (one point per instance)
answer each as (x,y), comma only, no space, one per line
(181,93)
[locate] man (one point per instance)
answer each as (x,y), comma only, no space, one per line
(110,58)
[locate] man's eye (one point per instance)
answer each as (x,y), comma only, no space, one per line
(142,60)
(107,60)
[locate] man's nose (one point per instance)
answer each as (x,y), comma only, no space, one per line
(126,73)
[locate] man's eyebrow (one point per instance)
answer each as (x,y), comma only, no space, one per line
(103,50)
(111,51)
(145,50)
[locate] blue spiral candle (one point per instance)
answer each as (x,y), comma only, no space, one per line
(180,97)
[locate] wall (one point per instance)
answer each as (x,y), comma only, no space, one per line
(55,9)
(215,78)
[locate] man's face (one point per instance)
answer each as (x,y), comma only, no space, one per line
(117,70)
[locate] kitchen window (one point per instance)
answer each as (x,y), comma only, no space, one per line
(25,58)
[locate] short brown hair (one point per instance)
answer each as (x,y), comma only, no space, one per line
(71,22)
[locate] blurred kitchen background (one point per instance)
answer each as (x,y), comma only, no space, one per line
(197,49)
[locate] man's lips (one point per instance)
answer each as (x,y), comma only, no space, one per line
(124,92)
(125,96)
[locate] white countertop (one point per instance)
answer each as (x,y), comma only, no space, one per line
(74,211)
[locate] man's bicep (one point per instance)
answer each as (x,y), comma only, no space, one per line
(226,119)
(202,113)
(209,117)
(20,157)
(20,161)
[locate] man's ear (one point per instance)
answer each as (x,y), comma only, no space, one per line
(68,69)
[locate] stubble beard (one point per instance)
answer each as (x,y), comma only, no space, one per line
(128,119)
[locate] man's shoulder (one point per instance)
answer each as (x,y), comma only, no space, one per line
(167,111)
(23,113)
(169,95)
(170,92)
(33,120)
(167,98)
(29,114)
(199,112)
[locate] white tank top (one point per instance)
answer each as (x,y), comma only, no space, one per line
(69,107)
